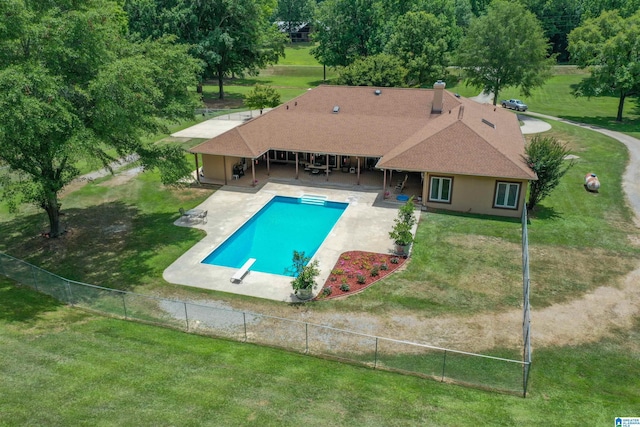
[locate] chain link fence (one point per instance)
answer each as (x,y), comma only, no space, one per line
(526,309)
(487,372)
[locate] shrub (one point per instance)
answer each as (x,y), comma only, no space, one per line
(345,287)
(546,157)
(333,278)
(361,279)
(375,270)
(384,266)
(337,271)
(326,292)
(395,260)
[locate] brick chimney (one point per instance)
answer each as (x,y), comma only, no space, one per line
(438,95)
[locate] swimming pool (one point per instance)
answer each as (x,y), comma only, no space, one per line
(283,225)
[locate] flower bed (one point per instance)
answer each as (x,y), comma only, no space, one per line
(357,270)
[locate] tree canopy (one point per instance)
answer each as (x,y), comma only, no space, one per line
(505,48)
(423,42)
(347,30)
(73,87)
(261,97)
(609,46)
(377,70)
(228,36)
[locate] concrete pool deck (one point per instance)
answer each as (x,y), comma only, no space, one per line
(362,226)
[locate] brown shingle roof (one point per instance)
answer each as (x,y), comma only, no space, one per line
(396,125)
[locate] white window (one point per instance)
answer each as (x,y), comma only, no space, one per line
(440,189)
(507,195)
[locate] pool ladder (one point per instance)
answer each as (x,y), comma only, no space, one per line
(310,199)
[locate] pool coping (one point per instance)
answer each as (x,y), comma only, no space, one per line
(363,226)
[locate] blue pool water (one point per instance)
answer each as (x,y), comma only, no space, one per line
(283,225)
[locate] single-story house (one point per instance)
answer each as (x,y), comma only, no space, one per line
(469,156)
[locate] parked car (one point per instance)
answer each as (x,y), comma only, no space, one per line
(514,104)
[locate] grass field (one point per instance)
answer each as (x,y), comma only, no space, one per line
(62,366)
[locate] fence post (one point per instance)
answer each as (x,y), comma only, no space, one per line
(244,320)
(375,360)
(69,295)
(33,273)
(124,305)
(527,367)
(186,315)
(306,338)
(444,363)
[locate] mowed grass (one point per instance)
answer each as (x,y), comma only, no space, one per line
(292,76)
(62,366)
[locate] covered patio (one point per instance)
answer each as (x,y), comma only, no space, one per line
(369,179)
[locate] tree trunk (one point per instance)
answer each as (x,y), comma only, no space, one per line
(199,88)
(52,207)
(220,83)
(623,95)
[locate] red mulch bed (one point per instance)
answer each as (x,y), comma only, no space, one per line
(356,267)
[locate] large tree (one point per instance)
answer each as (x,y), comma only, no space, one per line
(505,48)
(229,36)
(376,70)
(347,30)
(73,87)
(609,46)
(558,18)
(423,41)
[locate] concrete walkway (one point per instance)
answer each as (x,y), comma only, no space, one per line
(218,125)
(531,125)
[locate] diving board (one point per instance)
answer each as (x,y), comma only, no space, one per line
(239,275)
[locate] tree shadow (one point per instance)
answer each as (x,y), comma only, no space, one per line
(479,216)
(542,212)
(20,304)
(110,245)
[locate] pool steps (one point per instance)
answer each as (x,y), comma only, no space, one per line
(311,199)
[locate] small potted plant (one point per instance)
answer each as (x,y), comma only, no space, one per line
(401,231)
(305,274)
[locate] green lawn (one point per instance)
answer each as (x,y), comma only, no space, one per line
(62,366)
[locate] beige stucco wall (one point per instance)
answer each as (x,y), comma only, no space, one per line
(217,168)
(474,194)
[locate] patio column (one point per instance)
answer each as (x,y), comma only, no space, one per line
(327,170)
(297,165)
(384,179)
(197,168)
(358,170)
(224,165)
(253,172)
(268,165)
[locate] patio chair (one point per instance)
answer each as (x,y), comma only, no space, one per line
(203,217)
(400,185)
